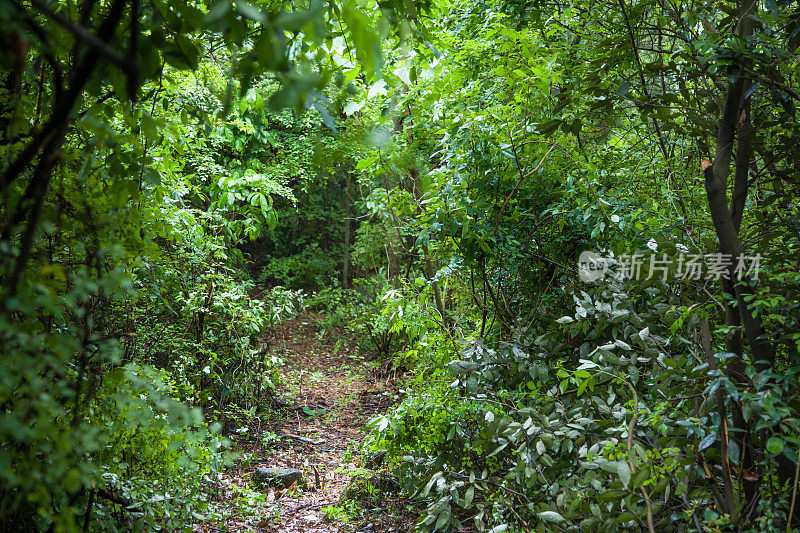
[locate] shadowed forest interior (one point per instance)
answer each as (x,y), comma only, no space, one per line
(406,265)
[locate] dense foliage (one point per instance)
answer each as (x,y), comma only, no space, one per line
(179,177)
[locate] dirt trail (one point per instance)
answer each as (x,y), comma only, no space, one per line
(330,392)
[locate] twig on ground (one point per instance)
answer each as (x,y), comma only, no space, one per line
(302,439)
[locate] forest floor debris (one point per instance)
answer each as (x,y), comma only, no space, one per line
(330,392)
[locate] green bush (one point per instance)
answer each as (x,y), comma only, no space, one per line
(312,267)
(539,431)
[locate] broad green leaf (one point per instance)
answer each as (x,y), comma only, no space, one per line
(707,441)
(775,445)
(551,516)
(624,472)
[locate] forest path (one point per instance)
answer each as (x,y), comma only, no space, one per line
(328,393)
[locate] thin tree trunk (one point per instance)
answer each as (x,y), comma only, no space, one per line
(437,294)
(348,215)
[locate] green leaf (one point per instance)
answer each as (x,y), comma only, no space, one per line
(217,12)
(733,451)
(444,518)
(707,441)
(364,163)
(498,449)
(468,497)
(611,495)
(551,516)
(295,20)
(609,466)
(327,119)
(270,53)
(149,127)
(549,126)
(639,477)
(624,472)
(249,11)
(285,97)
(775,445)
(365,38)
(459,367)
(353,107)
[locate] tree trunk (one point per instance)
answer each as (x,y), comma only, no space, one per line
(735,124)
(735,115)
(348,215)
(437,294)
